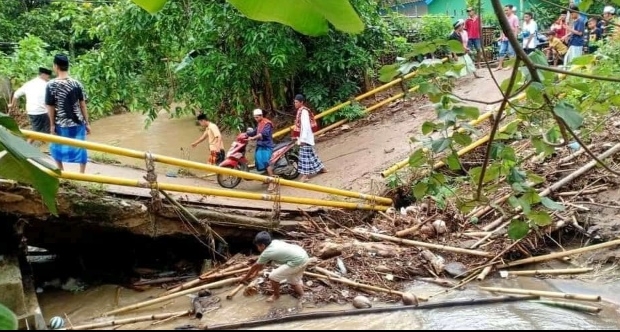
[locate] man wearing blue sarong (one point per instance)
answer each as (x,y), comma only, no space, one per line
(263,135)
(66,105)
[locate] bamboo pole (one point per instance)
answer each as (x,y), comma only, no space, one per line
(555,272)
(355,312)
(425,245)
(358,98)
(571,306)
(580,297)
(129,320)
(213,191)
(354,284)
(172,296)
(460,153)
(480,119)
(199,166)
(484,272)
(562,182)
(202,279)
(193,217)
(367,110)
(547,257)
(234,292)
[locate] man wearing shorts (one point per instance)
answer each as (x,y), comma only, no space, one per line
(505,49)
(34,90)
(292,259)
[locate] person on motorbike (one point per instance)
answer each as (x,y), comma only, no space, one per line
(263,135)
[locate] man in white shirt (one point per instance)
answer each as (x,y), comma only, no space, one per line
(529,33)
(34,90)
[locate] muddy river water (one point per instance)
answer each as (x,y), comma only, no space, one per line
(173,137)
(83,305)
(164,136)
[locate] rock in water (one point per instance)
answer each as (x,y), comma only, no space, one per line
(455,269)
(57,323)
(410,299)
(361,302)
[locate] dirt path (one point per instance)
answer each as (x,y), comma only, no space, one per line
(355,158)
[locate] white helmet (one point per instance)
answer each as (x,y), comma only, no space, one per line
(609,10)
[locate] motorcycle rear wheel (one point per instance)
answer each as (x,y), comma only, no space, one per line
(293,175)
(229,181)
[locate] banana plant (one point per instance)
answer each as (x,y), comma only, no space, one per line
(8,321)
(310,17)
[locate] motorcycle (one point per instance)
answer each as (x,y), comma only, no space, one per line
(284,159)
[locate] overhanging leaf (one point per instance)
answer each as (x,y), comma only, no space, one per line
(455,46)
(419,190)
(517,229)
(9,123)
(453,162)
(440,144)
(535,92)
(15,165)
(540,218)
(309,17)
(8,321)
(151,6)
(569,114)
(584,5)
(388,72)
(462,139)
(583,60)
(428,127)
(418,158)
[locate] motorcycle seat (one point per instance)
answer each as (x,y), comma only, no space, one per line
(280,146)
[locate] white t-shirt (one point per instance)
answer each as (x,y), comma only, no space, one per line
(530,29)
(34,90)
(306,135)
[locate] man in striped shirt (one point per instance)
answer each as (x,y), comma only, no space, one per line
(66,105)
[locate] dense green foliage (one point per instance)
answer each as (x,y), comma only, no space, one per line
(128,57)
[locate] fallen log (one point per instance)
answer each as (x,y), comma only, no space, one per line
(230,271)
(193,218)
(425,245)
(571,306)
(128,320)
(234,292)
(172,296)
(355,312)
(580,297)
(547,257)
(555,271)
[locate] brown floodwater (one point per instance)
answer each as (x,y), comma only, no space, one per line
(80,307)
(164,136)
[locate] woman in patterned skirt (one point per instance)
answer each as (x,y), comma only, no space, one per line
(309,163)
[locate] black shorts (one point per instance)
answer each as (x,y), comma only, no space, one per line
(40,123)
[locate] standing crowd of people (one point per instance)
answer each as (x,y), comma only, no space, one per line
(570,36)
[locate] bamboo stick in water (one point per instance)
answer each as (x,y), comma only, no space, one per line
(227,272)
(543,258)
(129,320)
(571,306)
(234,292)
(556,271)
(580,297)
(172,296)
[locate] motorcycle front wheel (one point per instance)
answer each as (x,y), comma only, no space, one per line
(229,181)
